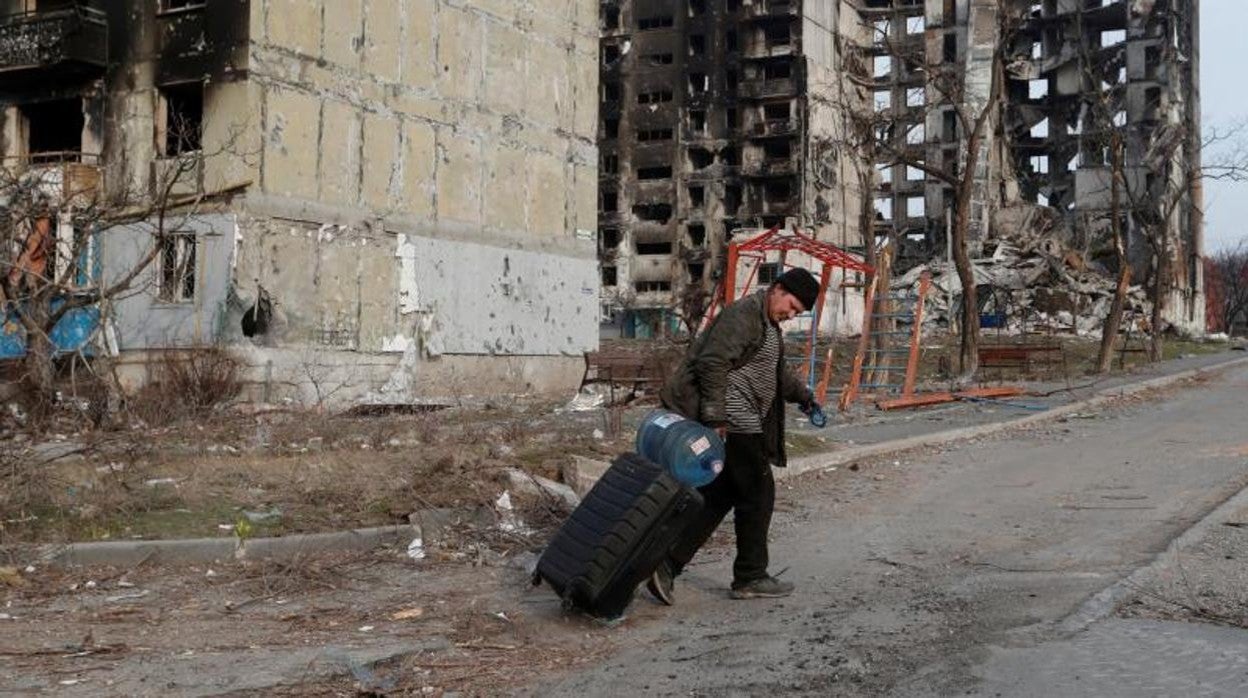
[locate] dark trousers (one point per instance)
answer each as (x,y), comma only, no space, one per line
(746,485)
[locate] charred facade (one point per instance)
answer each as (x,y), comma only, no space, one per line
(707,125)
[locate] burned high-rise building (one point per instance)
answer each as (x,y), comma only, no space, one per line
(715,114)
(853,119)
(1074,77)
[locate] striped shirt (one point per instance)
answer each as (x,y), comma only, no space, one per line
(752,388)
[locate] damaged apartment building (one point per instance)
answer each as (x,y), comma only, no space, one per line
(1073,71)
(716,115)
(382,199)
(721,114)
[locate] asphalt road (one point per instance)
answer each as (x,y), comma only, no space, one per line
(951,571)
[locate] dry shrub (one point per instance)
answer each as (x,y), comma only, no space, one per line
(188,383)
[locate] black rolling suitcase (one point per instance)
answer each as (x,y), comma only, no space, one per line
(617,536)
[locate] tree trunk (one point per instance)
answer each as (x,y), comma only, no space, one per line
(39,368)
(1160,281)
(1114,320)
(968,354)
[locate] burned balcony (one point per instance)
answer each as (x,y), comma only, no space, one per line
(69,42)
(772,8)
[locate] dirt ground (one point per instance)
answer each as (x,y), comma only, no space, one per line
(262,472)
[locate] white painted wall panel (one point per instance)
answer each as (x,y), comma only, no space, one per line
(491,300)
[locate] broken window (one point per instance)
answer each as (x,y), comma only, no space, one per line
(1037,50)
(915,134)
(697,45)
(779,191)
(652,286)
(883,100)
(697,120)
(610,163)
(1041,130)
(655,97)
(915,97)
(731,156)
(730,118)
(1040,164)
(700,158)
(697,8)
(882,66)
(879,32)
(732,197)
(698,83)
(610,238)
(950,47)
(884,208)
(884,173)
(730,41)
(610,18)
(610,200)
(777,150)
(611,128)
(696,270)
(654,248)
(651,173)
(654,134)
(659,59)
(777,71)
(180,119)
(916,207)
(697,196)
(610,276)
(662,22)
(610,53)
(776,112)
(732,5)
(1113,37)
(915,25)
(1037,89)
(697,234)
(949,126)
(768,273)
(777,35)
(914,174)
(54,129)
(177,268)
(730,82)
(611,92)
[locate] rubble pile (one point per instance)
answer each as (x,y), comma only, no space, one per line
(1028,286)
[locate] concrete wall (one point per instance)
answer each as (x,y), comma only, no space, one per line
(425,187)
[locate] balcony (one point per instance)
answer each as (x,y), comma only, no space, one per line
(762,89)
(771,168)
(38,46)
(66,179)
(771,8)
(773,127)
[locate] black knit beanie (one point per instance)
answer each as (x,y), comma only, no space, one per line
(802,285)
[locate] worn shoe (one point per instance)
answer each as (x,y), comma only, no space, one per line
(765,588)
(660,585)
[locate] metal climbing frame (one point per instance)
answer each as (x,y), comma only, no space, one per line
(776,239)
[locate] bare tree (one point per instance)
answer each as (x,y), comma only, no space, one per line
(880,134)
(55,214)
(1228,285)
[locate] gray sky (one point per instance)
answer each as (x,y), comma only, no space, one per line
(1224,101)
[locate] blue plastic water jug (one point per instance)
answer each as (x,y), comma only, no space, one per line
(689,451)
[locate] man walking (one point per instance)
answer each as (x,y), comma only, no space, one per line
(734,379)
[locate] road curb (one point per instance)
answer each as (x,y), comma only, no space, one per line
(1105,602)
(824,461)
(210,550)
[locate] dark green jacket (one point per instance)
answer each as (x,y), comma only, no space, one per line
(699,388)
